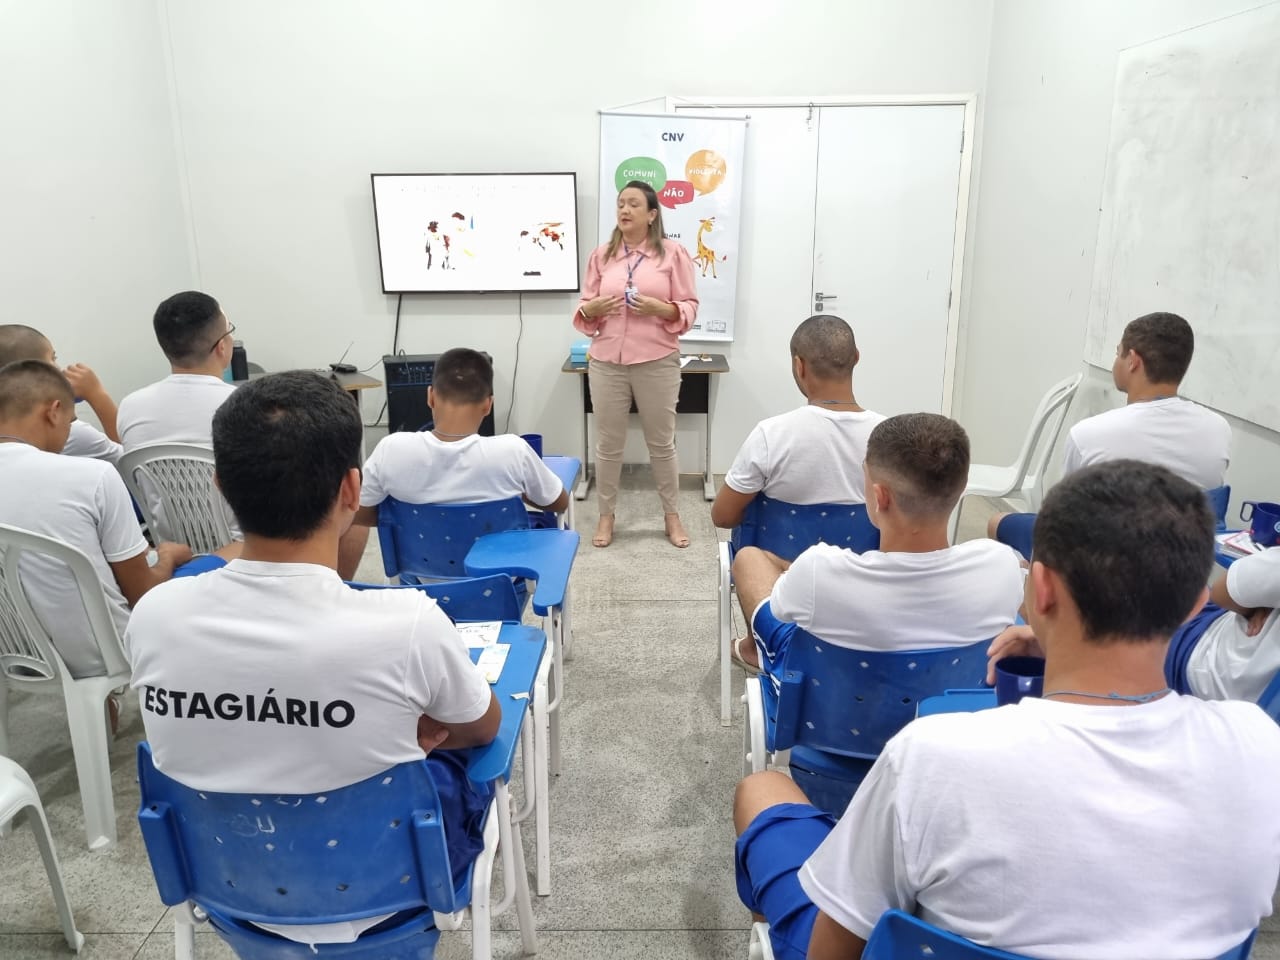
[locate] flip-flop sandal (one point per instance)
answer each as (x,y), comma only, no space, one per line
(735,654)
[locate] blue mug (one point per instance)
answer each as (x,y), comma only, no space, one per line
(1018,677)
(534,440)
(1265,517)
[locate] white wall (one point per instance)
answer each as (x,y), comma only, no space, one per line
(93,233)
(1047,122)
(287,107)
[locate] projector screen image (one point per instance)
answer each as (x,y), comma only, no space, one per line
(476,232)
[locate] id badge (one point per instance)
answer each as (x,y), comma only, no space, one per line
(630,294)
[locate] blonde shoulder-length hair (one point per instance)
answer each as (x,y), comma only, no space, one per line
(656,234)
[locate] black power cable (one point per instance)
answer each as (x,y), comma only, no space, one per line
(515,370)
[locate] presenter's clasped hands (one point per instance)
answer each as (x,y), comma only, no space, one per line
(653,307)
(600,307)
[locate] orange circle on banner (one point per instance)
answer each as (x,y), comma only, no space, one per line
(705,170)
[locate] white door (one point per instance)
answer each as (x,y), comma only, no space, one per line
(884,239)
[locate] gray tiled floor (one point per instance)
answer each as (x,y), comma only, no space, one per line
(641,830)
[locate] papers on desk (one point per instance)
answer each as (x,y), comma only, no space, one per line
(492,660)
(1239,543)
(481,634)
(686,360)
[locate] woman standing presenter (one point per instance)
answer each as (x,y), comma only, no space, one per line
(639,296)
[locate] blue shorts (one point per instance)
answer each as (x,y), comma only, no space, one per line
(1015,530)
(198,565)
(463,806)
(773,639)
(1183,644)
(767,859)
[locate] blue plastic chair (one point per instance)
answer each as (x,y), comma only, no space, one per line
(374,847)
(431,540)
(836,708)
(900,936)
(787,529)
(472,599)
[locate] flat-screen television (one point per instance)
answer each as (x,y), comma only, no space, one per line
(476,232)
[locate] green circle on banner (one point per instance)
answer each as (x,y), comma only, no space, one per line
(645,169)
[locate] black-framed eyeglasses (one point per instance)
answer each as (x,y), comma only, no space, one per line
(231,328)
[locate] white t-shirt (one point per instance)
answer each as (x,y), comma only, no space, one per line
(809,455)
(177,409)
(1058,830)
(912,601)
(1227,664)
(1191,440)
(287,680)
(84,503)
(88,441)
(422,468)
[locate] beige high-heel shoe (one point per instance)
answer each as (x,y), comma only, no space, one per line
(675,530)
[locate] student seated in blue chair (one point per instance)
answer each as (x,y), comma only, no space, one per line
(80,501)
(812,454)
(916,591)
(452,463)
(1155,425)
(20,342)
(272,675)
(1109,818)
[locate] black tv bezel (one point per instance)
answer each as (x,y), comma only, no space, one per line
(577,265)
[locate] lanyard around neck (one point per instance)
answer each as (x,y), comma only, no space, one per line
(631,267)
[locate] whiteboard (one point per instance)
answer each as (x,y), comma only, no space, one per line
(1190,211)
(476,232)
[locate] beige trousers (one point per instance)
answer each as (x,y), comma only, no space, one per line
(655,386)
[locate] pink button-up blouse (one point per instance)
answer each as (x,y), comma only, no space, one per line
(626,336)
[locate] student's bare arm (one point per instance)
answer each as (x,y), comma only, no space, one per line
(432,734)
(559,505)
(729,507)
(1219,595)
(365,517)
(135,576)
(830,941)
(89,388)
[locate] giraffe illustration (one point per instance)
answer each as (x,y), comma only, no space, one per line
(706,257)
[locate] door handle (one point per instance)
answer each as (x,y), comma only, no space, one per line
(819,297)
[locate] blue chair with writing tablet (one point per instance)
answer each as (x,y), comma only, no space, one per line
(425,542)
(545,556)
(835,708)
(469,600)
(786,529)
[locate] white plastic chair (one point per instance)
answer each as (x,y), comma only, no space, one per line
(192,510)
(759,947)
(18,796)
(1024,478)
(28,659)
